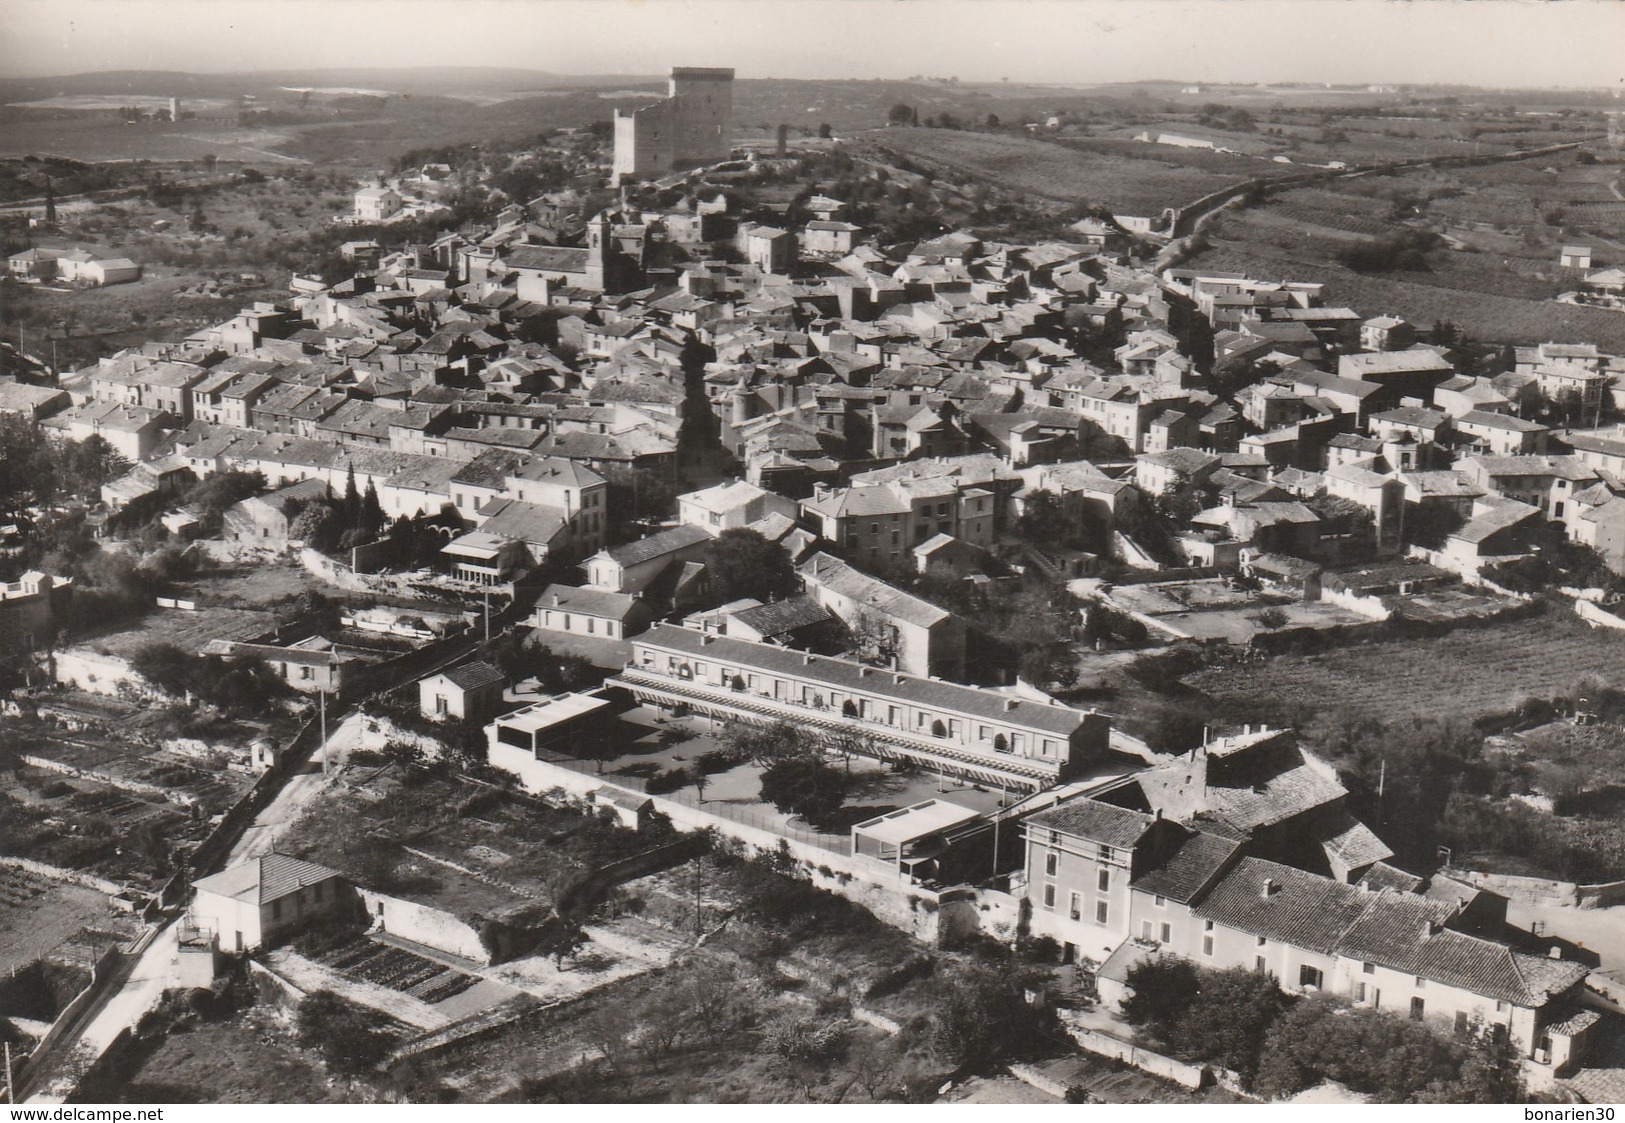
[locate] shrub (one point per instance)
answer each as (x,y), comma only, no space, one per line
(351,1040)
(668,780)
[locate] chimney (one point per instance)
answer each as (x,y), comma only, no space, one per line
(1010,704)
(806,659)
(1555,953)
(555,600)
(1270,888)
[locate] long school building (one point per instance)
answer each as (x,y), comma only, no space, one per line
(982,735)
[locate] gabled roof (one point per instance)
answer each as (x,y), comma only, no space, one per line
(260,881)
(472,676)
(1186,872)
(601,603)
(657,545)
(871,592)
(1094,821)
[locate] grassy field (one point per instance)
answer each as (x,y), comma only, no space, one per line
(1129,185)
(1470,673)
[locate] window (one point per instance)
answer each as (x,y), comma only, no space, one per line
(307,673)
(440,705)
(1145,929)
(1310,977)
(1500,1006)
(1262,942)
(1359,992)
(1104,853)
(1055,838)
(1258,964)
(984,733)
(1160,901)
(1207,945)
(1420,982)
(1461,1021)
(1050,861)
(1103,880)
(1167,934)
(1417,1007)
(1049,747)
(1368,968)
(592,626)
(1075,906)
(1049,896)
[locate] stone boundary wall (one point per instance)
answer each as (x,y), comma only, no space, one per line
(57,873)
(1115,1048)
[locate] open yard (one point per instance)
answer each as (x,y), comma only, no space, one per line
(1468,674)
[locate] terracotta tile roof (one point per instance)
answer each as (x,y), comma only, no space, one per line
(263,880)
(1094,821)
(1189,870)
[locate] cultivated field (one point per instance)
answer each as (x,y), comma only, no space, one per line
(39,917)
(1128,185)
(1470,673)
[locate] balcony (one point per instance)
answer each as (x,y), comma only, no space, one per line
(884,742)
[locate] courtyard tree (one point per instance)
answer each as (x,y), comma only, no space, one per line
(804,786)
(744,564)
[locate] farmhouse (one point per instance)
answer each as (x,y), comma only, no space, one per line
(263,900)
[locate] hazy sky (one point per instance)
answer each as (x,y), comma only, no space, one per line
(1486,42)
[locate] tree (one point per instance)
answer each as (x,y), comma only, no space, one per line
(317,525)
(824,130)
(1161,989)
(980,1015)
(804,786)
(766,744)
(1380,1054)
(1043,519)
(744,564)
(350,507)
(50,202)
(902,114)
(1227,1022)
(372,511)
(992,121)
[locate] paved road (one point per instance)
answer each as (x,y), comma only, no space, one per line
(267,829)
(153,973)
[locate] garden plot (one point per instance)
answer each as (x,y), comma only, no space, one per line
(398,969)
(39,916)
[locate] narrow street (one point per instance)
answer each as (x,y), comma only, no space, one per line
(153,973)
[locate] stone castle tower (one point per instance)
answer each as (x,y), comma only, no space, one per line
(692,125)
